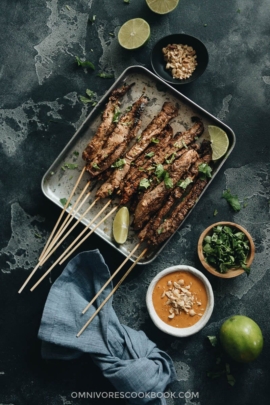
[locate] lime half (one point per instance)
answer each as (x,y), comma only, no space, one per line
(120,225)
(219,141)
(162,6)
(134,33)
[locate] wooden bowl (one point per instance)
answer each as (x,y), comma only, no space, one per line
(234,272)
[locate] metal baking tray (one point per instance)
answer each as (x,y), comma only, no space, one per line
(59,181)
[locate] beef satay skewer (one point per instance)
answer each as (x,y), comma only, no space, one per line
(117,140)
(65,254)
(155,222)
(174,149)
(107,124)
(153,129)
(111,293)
(153,200)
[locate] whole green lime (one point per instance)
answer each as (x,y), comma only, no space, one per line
(241,338)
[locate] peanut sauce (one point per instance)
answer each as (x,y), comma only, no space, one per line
(180,299)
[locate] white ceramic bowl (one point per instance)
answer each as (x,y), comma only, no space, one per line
(171,330)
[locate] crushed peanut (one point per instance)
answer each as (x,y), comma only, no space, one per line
(181,60)
(180,298)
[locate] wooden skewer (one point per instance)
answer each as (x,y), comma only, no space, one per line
(90,233)
(110,279)
(42,261)
(67,221)
(65,252)
(69,231)
(28,278)
(111,293)
(62,212)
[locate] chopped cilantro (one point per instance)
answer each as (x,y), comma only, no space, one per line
(160,230)
(144,184)
(168,181)
(159,172)
(205,171)
(126,1)
(150,154)
(215,213)
(226,248)
(184,183)
(91,98)
(95,166)
(213,340)
(116,115)
(110,191)
(119,163)
(104,75)
(184,144)
(70,166)
(232,200)
(63,201)
(155,140)
(76,153)
(171,159)
(92,19)
(84,63)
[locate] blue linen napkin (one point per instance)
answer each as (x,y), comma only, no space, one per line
(131,361)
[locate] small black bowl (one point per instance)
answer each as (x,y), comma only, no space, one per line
(159,64)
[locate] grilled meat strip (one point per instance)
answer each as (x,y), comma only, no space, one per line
(174,149)
(152,130)
(118,140)
(153,200)
(115,180)
(107,125)
(152,227)
(171,224)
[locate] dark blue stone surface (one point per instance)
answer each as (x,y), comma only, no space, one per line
(39,113)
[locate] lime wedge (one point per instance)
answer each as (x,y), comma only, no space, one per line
(134,33)
(120,225)
(219,141)
(162,6)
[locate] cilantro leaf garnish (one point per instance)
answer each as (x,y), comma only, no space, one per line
(184,183)
(63,201)
(150,154)
(205,171)
(168,181)
(104,75)
(232,200)
(70,166)
(171,159)
(84,63)
(226,248)
(91,98)
(144,184)
(159,172)
(116,115)
(155,140)
(95,166)
(213,340)
(119,163)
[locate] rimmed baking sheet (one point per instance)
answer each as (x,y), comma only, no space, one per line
(59,180)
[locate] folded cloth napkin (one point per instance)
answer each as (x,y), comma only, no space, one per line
(131,361)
